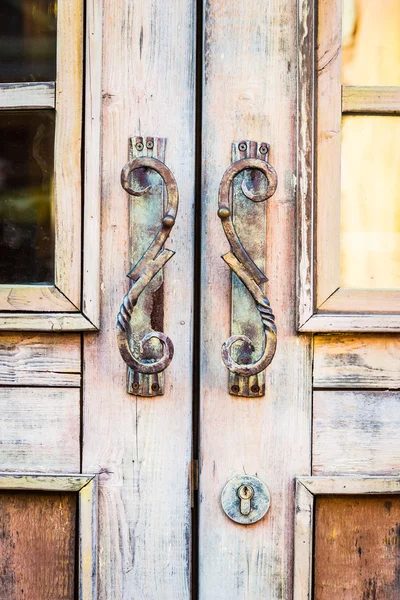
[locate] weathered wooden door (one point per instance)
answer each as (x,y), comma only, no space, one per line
(118,482)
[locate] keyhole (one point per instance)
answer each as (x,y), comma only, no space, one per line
(245,493)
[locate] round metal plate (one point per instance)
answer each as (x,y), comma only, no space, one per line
(259,503)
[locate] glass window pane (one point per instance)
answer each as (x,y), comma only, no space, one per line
(26,204)
(27,40)
(371,42)
(370,202)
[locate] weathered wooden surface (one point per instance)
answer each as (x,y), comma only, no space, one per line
(27,95)
(305,160)
(48,321)
(34,298)
(250,93)
(92,161)
(356,432)
(39,429)
(328,323)
(328,113)
(88,540)
(67,149)
(357,542)
(40,360)
(358,300)
(37,545)
(303,543)
(142,447)
(370,100)
(356,361)
(63,482)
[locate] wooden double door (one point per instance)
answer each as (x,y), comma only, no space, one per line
(205,76)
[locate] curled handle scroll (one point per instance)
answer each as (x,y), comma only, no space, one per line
(245,268)
(145,270)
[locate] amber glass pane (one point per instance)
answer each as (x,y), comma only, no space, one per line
(371,42)
(27,40)
(370,202)
(26,173)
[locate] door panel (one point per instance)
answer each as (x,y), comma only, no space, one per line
(37,545)
(356,431)
(250,93)
(357,547)
(40,429)
(142,446)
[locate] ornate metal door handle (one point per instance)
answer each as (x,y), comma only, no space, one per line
(145,270)
(247,378)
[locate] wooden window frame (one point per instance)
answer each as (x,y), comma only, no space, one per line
(306,490)
(87,488)
(324,306)
(72,303)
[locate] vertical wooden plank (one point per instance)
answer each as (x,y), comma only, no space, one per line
(88,525)
(357,542)
(67,151)
(37,545)
(329,122)
(250,93)
(92,181)
(142,447)
(303,543)
(305,160)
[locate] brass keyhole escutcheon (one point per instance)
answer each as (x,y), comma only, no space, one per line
(245,499)
(245,493)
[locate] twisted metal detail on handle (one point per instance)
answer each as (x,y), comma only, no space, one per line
(245,268)
(148,266)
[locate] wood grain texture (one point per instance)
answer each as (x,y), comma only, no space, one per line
(305,160)
(37,545)
(352,485)
(359,301)
(303,543)
(39,298)
(356,361)
(48,482)
(88,532)
(28,95)
(325,323)
(92,161)
(40,360)
(357,547)
(142,447)
(20,321)
(370,100)
(67,149)
(329,117)
(250,93)
(356,432)
(40,429)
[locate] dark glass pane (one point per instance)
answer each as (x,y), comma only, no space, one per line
(26,198)
(28,40)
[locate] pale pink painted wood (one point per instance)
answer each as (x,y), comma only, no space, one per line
(142,447)
(250,93)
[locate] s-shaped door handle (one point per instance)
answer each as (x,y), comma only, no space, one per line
(243,266)
(152,261)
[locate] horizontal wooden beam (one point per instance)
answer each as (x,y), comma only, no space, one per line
(370,100)
(30,95)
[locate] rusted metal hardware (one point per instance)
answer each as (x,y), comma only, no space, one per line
(238,216)
(245,499)
(141,354)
